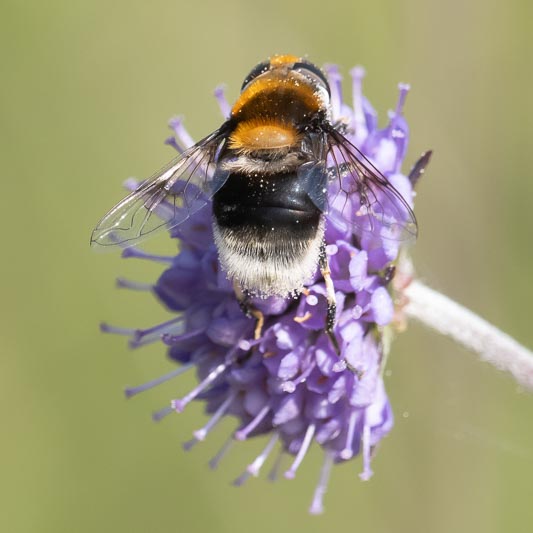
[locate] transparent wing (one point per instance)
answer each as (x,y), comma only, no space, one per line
(363,197)
(167,198)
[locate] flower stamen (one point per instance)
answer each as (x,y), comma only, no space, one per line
(367,472)
(171,141)
(136,253)
(304,318)
(201,434)
(132,391)
(215,461)
(158,415)
(259,461)
(273,475)
(223,103)
(290,385)
(254,468)
(317,506)
(243,433)
(171,340)
(291,473)
(335,82)
(115,330)
(360,127)
(176,123)
(179,404)
(347,452)
(158,329)
(404,89)
(190,444)
(123,283)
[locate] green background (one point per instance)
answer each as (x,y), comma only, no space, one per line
(86,91)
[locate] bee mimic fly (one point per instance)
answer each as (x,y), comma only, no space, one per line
(271,171)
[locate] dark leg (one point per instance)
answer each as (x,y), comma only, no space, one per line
(249,310)
(330,295)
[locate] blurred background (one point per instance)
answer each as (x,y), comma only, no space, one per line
(86,92)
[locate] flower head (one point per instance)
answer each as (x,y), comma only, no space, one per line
(288,384)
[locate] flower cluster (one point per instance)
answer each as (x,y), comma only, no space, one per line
(288,384)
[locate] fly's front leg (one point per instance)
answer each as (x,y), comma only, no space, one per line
(249,310)
(332,306)
(330,297)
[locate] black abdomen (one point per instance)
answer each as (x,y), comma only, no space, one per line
(266,204)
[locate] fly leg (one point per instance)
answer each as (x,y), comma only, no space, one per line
(332,306)
(249,310)
(330,296)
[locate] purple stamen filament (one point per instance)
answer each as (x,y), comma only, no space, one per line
(187,446)
(161,413)
(135,253)
(215,461)
(404,89)
(243,433)
(259,461)
(274,471)
(180,404)
(335,80)
(223,104)
(132,391)
(366,474)
(106,328)
(290,386)
(169,339)
(160,329)
(133,285)
(291,473)
(181,132)
(347,453)
(361,130)
(201,434)
(254,468)
(171,141)
(317,506)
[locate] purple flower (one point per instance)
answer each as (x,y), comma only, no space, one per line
(289,384)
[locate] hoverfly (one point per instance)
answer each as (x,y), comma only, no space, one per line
(271,172)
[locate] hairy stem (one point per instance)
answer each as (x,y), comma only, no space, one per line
(449,318)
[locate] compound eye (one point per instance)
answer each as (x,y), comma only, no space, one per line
(256,71)
(313,72)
